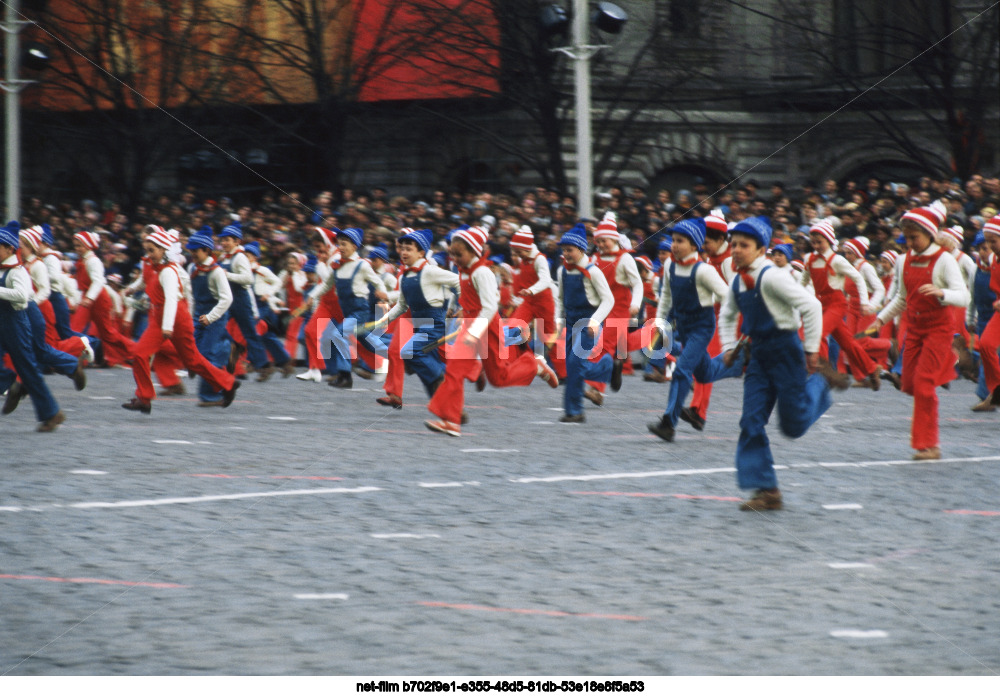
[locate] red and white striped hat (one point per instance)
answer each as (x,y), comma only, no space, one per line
(825,230)
(474,237)
(88,239)
(33,236)
(645,263)
(607,227)
(993,226)
(956,233)
(300,257)
(891,256)
(930,217)
(716,222)
(859,245)
(328,236)
(160,237)
(523,238)
(798,265)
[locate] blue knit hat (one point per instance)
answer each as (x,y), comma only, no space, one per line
(233,230)
(355,235)
(980,238)
(785,249)
(666,244)
(693,229)
(575,236)
(497,259)
(379,252)
(451,233)
(310,265)
(756,227)
(428,235)
(47,235)
(252,248)
(418,239)
(9,234)
(201,240)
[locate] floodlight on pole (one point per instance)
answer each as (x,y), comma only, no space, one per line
(34,56)
(609,18)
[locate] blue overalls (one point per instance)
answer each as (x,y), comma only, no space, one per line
(16,341)
(579,342)
(212,341)
(271,341)
(776,374)
(355,309)
(242,311)
(45,355)
(984,299)
(428,327)
(658,358)
(695,328)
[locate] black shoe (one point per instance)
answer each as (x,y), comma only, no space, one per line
(663,429)
(481,380)
(14,396)
(894,379)
(139,405)
(616,375)
(689,415)
(464,420)
(229,394)
(578,418)
(362,372)
(343,381)
(995,399)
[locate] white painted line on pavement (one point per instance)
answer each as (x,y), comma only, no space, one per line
(448,484)
(89,472)
(843,506)
(634,474)
(847,566)
(487,449)
(212,498)
(729,470)
(857,633)
(331,595)
(101,398)
(406,536)
(173,442)
(543,422)
(282,418)
(10,509)
(236,427)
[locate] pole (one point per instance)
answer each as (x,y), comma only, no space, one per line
(12,112)
(581,73)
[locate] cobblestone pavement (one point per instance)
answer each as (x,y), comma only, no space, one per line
(307,530)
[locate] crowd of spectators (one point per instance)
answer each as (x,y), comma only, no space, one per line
(283,222)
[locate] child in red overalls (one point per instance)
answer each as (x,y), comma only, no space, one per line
(169,320)
(989,339)
(479,339)
(928,282)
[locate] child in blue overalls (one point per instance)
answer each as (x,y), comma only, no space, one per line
(15,337)
(212,298)
(585,299)
(981,311)
(424,291)
(265,280)
(688,293)
(780,371)
(353,277)
(244,308)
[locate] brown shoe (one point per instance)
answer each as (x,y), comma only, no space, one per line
(390,400)
(578,418)
(51,424)
(655,376)
(288,369)
(79,377)
(464,420)
(927,454)
(172,390)
(984,406)
(235,351)
(209,404)
(137,404)
(894,379)
(481,380)
(763,500)
(593,396)
(966,363)
(836,380)
(893,351)
(264,373)
(874,380)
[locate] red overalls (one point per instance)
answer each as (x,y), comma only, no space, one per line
(504,367)
(182,339)
(100,313)
(834,309)
(72,345)
(701,394)
(928,361)
(329,308)
(989,340)
(293,300)
(541,306)
(856,321)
